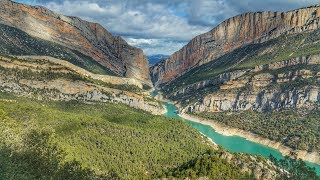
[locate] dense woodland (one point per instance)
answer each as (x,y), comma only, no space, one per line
(72,139)
(209,165)
(298,129)
(295,168)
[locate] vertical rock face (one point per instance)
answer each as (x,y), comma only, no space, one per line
(291,83)
(237,31)
(91,39)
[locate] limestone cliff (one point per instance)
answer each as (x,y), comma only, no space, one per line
(293,83)
(90,39)
(233,33)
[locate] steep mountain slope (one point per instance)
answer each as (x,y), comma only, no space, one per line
(285,52)
(233,33)
(257,72)
(238,74)
(85,43)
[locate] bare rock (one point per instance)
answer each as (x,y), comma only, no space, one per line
(235,32)
(91,39)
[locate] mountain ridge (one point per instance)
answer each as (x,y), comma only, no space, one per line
(251,27)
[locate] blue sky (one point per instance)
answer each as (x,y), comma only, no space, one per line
(162,26)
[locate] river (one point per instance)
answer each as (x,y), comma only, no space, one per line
(231,143)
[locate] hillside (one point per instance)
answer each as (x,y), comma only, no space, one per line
(53,79)
(60,121)
(106,138)
(33,30)
(57,139)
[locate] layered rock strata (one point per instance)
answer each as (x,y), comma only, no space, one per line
(260,90)
(90,39)
(233,33)
(51,80)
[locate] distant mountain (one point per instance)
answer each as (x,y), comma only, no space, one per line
(154,59)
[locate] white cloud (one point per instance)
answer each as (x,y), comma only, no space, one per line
(137,42)
(160,26)
(156,46)
(148,20)
(147,26)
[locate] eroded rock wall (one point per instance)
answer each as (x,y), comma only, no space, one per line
(91,39)
(235,32)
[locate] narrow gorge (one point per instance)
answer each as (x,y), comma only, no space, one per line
(78,101)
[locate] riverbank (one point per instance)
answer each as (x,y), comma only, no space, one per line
(229,131)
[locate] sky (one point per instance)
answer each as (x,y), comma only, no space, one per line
(162,26)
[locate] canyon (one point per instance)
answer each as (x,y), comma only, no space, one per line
(256,63)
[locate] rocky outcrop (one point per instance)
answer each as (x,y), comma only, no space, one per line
(234,80)
(52,79)
(266,87)
(264,100)
(235,32)
(90,39)
(64,90)
(104,78)
(215,81)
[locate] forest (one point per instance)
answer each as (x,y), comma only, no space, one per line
(298,129)
(47,139)
(75,140)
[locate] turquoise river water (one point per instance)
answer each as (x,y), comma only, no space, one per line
(231,143)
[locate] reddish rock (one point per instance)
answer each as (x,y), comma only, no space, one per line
(90,39)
